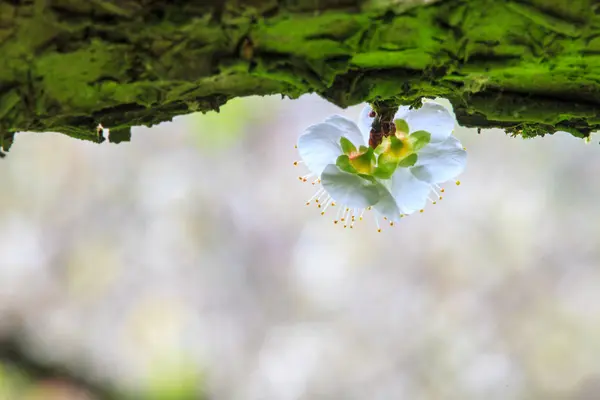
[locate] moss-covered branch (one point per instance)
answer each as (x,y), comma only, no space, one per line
(529,66)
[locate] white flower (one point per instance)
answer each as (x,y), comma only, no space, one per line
(394,179)
(444,158)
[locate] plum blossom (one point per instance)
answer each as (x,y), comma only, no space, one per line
(414,154)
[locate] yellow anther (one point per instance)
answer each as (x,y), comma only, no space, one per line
(295,146)
(435,202)
(332,204)
(421,210)
(402,215)
(322,212)
(342,219)
(457,183)
(379,230)
(296,163)
(335,222)
(308,203)
(318,205)
(442,190)
(392,223)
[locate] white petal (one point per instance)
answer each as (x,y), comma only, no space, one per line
(364,123)
(444,103)
(350,129)
(409,192)
(403,112)
(431,117)
(440,162)
(349,189)
(319,146)
(387,206)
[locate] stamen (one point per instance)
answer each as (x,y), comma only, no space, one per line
(316,181)
(319,193)
(337,217)
(421,210)
(377,224)
(298,162)
(433,188)
(305,177)
(344,215)
(457,183)
(327,204)
(348,215)
(353,221)
(361,214)
(318,200)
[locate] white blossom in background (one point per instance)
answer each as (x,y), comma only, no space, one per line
(396,178)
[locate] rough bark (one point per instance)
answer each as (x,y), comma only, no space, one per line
(529,66)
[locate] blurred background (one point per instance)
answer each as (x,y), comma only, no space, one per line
(185,265)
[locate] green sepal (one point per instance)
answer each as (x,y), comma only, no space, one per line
(383,146)
(368,178)
(347,146)
(401,125)
(365,162)
(386,165)
(419,139)
(408,161)
(343,163)
(396,146)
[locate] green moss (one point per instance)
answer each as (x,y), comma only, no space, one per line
(530,67)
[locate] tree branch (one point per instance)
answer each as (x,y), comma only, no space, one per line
(528,66)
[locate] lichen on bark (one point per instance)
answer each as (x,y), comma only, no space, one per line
(530,66)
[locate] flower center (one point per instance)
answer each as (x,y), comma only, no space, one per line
(362,162)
